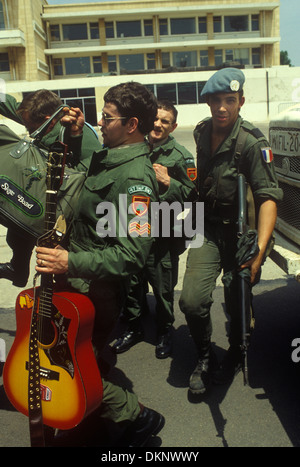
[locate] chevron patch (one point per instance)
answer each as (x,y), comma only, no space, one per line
(142,230)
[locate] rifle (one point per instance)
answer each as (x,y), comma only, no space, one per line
(244,288)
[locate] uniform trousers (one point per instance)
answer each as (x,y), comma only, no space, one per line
(22,245)
(119,405)
(204,265)
(161,271)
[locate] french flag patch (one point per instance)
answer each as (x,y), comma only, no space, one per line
(267,154)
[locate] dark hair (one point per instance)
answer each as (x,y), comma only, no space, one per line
(39,105)
(167,105)
(134,100)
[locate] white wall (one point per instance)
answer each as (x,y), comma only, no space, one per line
(282,83)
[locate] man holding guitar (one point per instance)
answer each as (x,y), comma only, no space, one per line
(101,266)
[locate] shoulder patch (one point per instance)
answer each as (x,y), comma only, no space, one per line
(139,188)
(256,132)
(189,161)
(192,174)
(140,205)
(267,154)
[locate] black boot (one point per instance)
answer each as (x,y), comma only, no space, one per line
(163,347)
(201,378)
(18,277)
(127,340)
(148,423)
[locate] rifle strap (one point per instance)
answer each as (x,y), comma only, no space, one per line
(241,139)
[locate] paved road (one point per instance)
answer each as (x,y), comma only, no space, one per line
(264,414)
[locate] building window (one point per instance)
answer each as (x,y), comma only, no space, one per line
(187,93)
(255,22)
(202,25)
(218,57)
(109,30)
(77,65)
(2,21)
(112,63)
(179,93)
(148,27)
(217,24)
(84,99)
(94,30)
(131,62)
(150,87)
(4,62)
(151,62)
(54,32)
(200,86)
(256,56)
(238,55)
(183,26)
(242,56)
(75,32)
(185,59)
(97,64)
(163,27)
(229,55)
(167,91)
(165,58)
(203,57)
(236,23)
(129,29)
(58,67)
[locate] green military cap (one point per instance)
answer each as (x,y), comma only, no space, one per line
(224,80)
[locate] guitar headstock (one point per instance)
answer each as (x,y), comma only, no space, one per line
(55,166)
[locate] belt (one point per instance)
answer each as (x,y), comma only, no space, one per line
(226,213)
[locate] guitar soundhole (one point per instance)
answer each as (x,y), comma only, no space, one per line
(54,341)
(47,333)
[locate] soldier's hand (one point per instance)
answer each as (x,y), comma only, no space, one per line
(74,119)
(254,265)
(52,260)
(162,175)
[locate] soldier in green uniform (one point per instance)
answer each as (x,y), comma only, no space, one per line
(218,166)
(111,234)
(176,174)
(32,112)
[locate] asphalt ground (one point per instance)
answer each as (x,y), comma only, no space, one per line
(264,414)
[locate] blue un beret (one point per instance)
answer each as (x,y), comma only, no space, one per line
(224,80)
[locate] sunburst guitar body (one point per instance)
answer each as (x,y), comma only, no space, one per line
(70,381)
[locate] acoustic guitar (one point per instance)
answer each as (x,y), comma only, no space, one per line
(51,374)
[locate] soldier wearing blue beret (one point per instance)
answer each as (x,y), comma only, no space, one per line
(218,165)
(225,80)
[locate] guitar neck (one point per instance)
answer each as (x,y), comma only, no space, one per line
(45,296)
(56,163)
(50,210)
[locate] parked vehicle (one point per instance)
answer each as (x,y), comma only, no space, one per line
(284,137)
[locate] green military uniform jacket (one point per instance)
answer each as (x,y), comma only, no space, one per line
(217,173)
(125,171)
(181,169)
(90,141)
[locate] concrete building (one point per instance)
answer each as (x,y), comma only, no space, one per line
(23,41)
(79,50)
(130,36)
